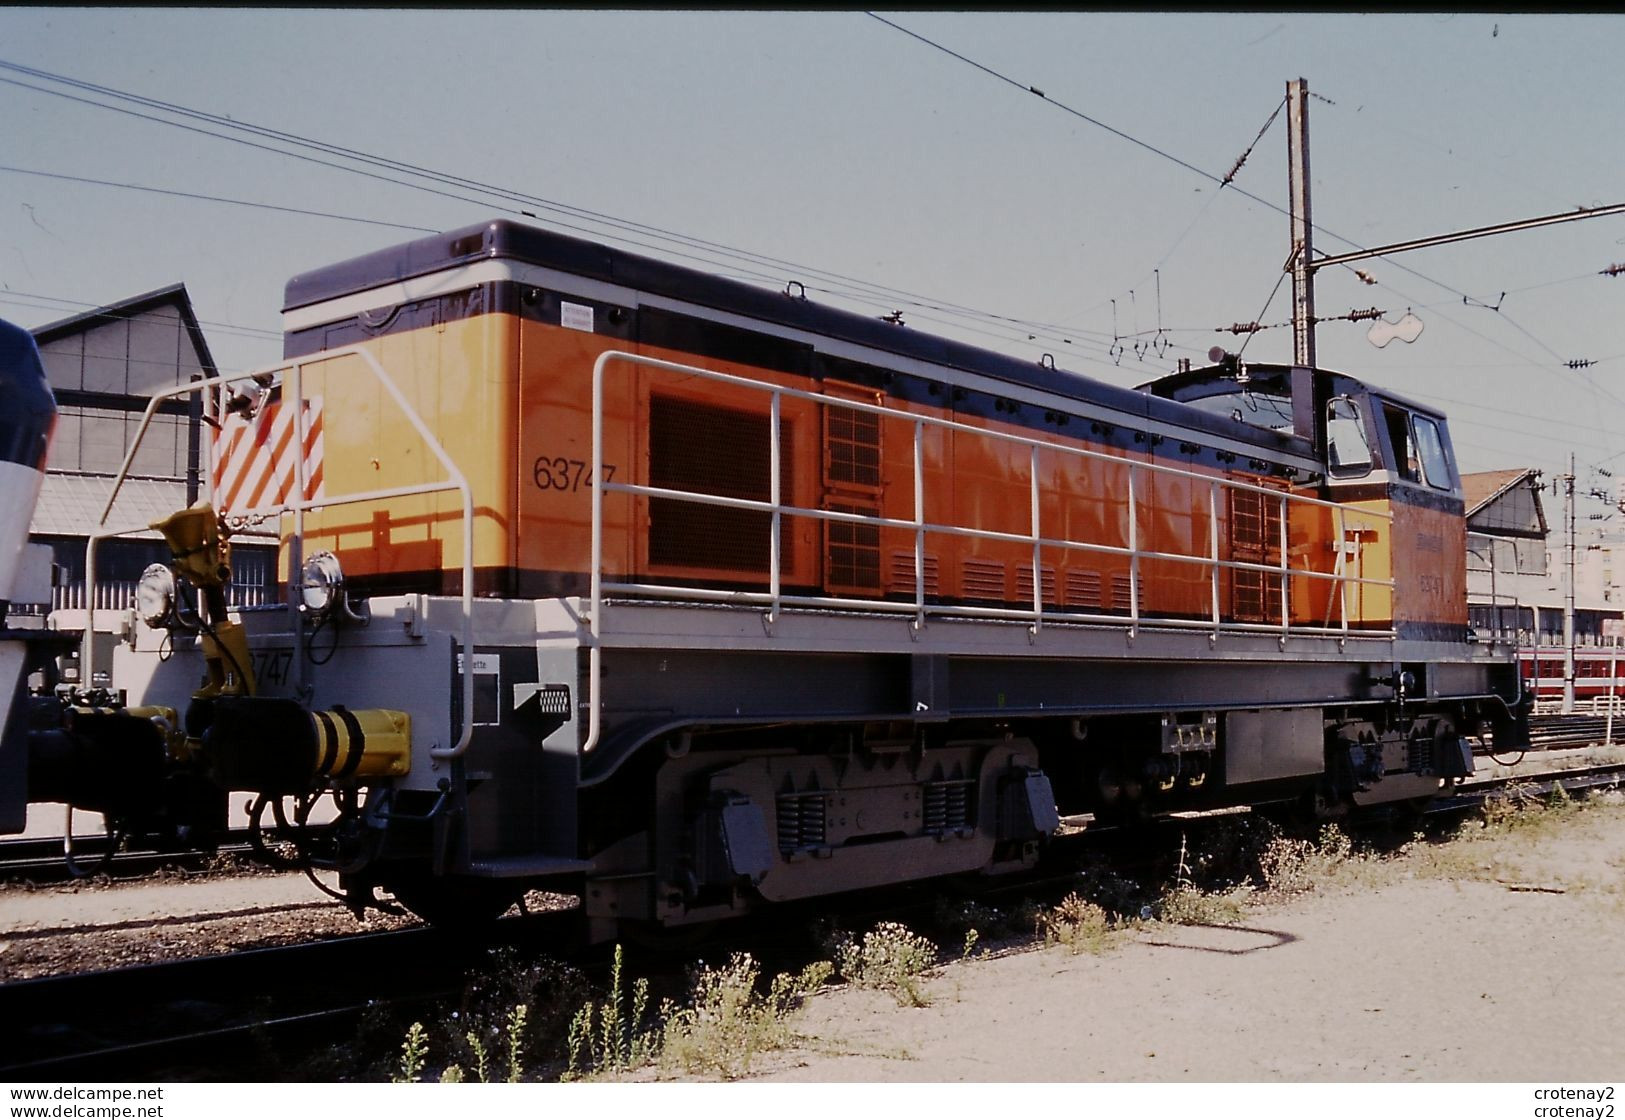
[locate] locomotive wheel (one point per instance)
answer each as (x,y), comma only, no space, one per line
(1322,807)
(1408,815)
(652,937)
(457,905)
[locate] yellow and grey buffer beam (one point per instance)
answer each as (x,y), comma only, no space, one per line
(274,745)
(372,743)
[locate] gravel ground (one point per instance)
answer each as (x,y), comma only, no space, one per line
(95,923)
(1499,957)
(1496,958)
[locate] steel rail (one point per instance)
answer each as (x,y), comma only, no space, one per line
(207,1014)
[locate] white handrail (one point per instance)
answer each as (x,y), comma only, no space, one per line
(775,598)
(298,504)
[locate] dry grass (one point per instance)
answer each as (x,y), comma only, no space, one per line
(722,1027)
(1293,866)
(890,958)
(727,1024)
(1080,925)
(1505,842)
(1190,906)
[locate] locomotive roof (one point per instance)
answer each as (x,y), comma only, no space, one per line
(1187,385)
(505,239)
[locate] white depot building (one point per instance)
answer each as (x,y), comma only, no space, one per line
(1518,563)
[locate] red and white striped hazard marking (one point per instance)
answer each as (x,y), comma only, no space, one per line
(252,459)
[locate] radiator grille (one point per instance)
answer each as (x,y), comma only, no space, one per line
(854,550)
(853,446)
(724,452)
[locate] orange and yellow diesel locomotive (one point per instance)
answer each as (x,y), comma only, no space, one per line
(685,595)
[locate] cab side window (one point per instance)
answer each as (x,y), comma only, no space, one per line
(1430,448)
(1405,464)
(1347,453)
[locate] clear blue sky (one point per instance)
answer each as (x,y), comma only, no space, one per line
(842,147)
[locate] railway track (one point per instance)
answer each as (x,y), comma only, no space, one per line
(249,1012)
(1582,779)
(1554,732)
(44,859)
(241,1015)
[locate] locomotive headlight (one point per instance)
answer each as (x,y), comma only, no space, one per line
(324,583)
(155,595)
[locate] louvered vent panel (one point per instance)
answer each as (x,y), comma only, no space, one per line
(902,574)
(1024,583)
(1083,590)
(983,579)
(714,451)
(1120,591)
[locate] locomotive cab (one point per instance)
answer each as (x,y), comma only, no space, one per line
(1378,453)
(1412,475)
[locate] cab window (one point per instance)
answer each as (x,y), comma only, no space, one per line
(1430,449)
(1405,462)
(1347,453)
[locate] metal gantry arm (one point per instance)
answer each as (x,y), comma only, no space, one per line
(298,504)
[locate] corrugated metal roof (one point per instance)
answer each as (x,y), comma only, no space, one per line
(70,505)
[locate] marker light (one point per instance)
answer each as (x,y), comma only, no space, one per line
(324,583)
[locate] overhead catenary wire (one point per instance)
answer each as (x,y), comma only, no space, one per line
(1035,330)
(860,289)
(1208,175)
(864,291)
(1196,219)
(1015,332)
(170,192)
(46,302)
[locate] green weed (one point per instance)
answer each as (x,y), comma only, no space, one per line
(727,1024)
(1075,922)
(414,1054)
(890,958)
(612,1037)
